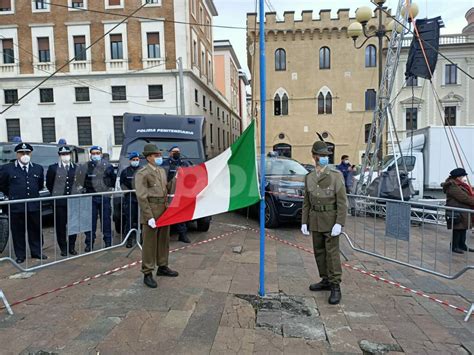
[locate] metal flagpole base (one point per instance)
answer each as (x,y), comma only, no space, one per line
(469,313)
(7,305)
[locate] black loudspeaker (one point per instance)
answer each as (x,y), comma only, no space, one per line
(428,30)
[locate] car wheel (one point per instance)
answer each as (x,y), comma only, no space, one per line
(271,217)
(3,233)
(203,224)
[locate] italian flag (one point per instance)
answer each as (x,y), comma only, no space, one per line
(224,183)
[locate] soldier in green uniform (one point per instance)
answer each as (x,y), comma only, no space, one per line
(152,194)
(324,214)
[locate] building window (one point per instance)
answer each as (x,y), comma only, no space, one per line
(320,103)
(195,52)
(7,48)
(328,106)
(324,103)
(218,113)
(451,74)
(78,4)
(119,93)
(153,40)
(44,54)
(116,46)
(223,113)
(79,47)
(203,62)
(118,130)
(46,95)
(411,118)
(114,3)
(223,139)
(412,81)
(324,58)
(218,138)
(370,99)
(367,129)
(82,94)
(210,106)
(193,7)
(450,116)
(13,128)
(5,5)
(280,59)
(370,56)
(84,131)
(49,130)
(280,105)
(196,96)
(155,92)
(155,2)
(11,96)
(204,101)
(40,5)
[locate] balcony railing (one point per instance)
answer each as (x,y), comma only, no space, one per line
(82,65)
(155,63)
(8,69)
(44,67)
(117,64)
(445,40)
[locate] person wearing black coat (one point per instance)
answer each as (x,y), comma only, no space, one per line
(130,203)
(61,181)
(19,180)
(461,195)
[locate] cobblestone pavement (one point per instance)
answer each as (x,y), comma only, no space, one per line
(211,307)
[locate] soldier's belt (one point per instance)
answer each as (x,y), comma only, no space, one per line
(156,199)
(324,208)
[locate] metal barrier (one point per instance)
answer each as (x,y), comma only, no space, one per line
(48,230)
(412,234)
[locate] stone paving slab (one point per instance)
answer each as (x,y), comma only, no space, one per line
(208,309)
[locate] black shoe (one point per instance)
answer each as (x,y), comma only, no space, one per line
(72,252)
(458,251)
(20,260)
(166,271)
(63,253)
(320,286)
(40,257)
(336,294)
(108,245)
(87,249)
(468,249)
(184,238)
(149,281)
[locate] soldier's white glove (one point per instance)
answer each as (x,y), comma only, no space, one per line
(304,229)
(336,230)
(152,223)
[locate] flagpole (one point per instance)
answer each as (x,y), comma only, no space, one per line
(263,90)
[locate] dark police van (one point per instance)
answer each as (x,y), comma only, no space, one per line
(166,131)
(44,154)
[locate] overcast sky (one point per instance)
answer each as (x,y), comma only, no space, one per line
(233,13)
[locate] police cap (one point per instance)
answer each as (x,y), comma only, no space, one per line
(64,150)
(132,155)
(23,147)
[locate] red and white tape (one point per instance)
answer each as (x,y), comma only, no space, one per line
(117,269)
(375,277)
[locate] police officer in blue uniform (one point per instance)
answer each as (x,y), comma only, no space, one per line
(130,203)
(98,176)
(61,181)
(171,166)
(23,179)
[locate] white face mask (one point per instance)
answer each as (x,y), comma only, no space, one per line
(66,159)
(25,159)
(346,161)
(464,180)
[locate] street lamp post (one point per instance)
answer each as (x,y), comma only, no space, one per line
(359,28)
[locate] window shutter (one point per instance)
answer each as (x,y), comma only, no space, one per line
(153,38)
(7,44)
(43,43)
(79,39)
(116,38)
(114,3)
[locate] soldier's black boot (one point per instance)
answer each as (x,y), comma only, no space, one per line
(322,285)
(336,294)
(183,238)
(149,281)
(166,271)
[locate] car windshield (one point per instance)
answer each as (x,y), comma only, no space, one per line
(42,154)
(277,166)
(189,149)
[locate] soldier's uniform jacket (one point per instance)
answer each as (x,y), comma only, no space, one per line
(18,184)
(96,176)
(325,200)
(152,191)
(60,181)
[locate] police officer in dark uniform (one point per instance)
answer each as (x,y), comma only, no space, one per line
(171,166)
(130,203)
(23,179)
(98,176)
(61,181)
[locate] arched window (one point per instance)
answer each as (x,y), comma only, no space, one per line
(320,103)
(324,58)
(280,59)
(284,105)
(277,105)
(328,106)
(370,56)
(370,99)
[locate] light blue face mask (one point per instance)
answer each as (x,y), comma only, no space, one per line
(135,164)
(323,161)
(159,161)
(96,157)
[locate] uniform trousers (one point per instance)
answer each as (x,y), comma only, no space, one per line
(326,253)
(31,224)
